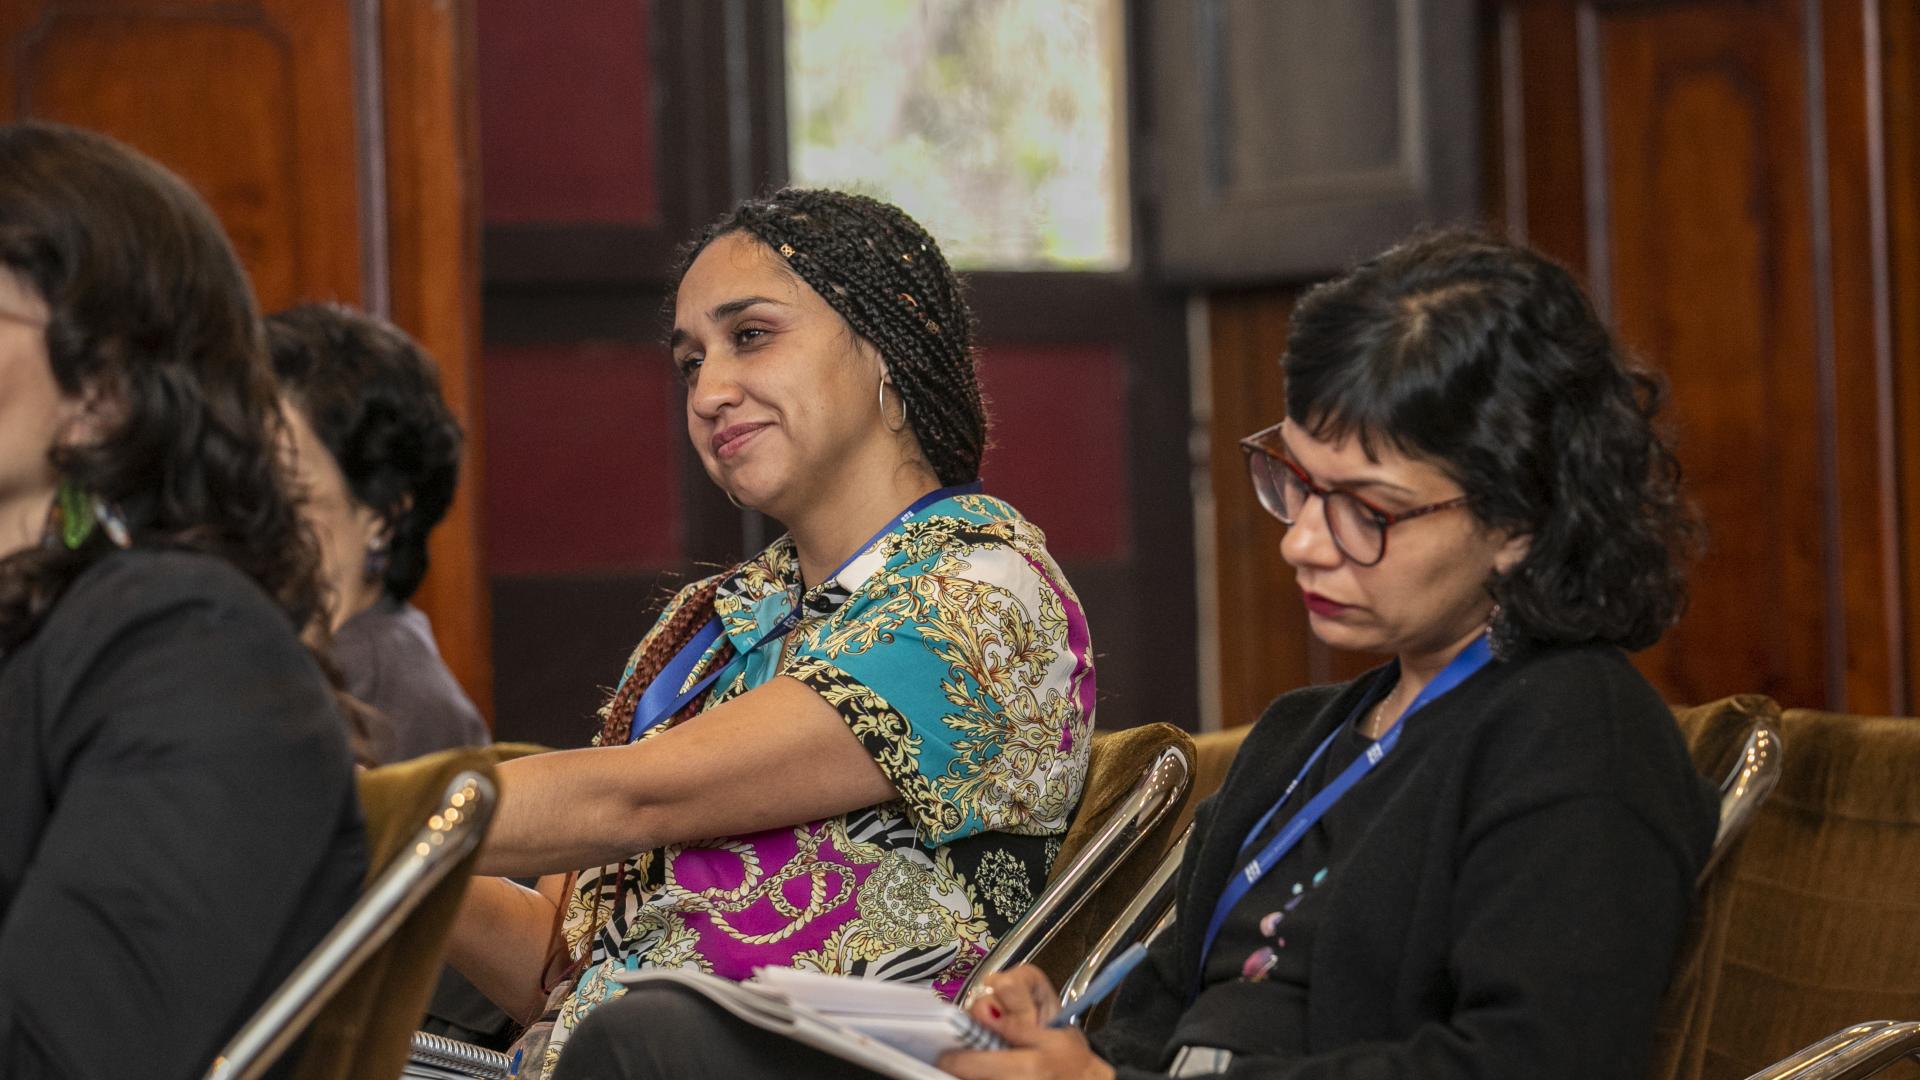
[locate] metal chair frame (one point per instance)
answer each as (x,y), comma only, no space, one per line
(1851,1053)
(1754,775)
(448,836)
(1157,791)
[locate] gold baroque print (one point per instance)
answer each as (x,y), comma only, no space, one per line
(887,735)
(1003,878)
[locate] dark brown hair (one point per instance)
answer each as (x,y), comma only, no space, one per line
(150,309)
(373,399)
(1488,360)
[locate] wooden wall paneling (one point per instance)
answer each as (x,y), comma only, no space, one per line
(1728,202)
(1542,132)
(433,276)
(1851,291)
(1707,199)
(1265,646)
(1262,629)
(1899,39)
(252,104)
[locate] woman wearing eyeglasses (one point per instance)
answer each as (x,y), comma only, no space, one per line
(1476,860)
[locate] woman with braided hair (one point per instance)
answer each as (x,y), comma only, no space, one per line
(857,751)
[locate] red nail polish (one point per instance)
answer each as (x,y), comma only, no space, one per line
(993,1010)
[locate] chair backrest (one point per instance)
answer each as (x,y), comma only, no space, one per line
(425,819)
(1736,742)
(1137,781)
(1149,912)
(1825,916)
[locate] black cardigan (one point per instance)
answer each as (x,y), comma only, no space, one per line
(1512,911)
(178,820)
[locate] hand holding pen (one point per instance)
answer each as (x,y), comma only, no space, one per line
(1022,1008)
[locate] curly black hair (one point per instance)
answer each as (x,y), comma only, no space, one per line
(149,308)
(1489,361)
(372,396)
(885,275)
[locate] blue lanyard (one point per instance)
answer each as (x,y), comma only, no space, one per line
(1471,659)
(658,701)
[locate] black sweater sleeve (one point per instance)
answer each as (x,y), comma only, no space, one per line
(202,828)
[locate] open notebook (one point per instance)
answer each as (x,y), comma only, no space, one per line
(894,1029)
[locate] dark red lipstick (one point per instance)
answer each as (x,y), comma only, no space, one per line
(1320,605)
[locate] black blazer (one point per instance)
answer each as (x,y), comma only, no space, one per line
(178,819)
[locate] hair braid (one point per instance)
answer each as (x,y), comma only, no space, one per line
(886,277)
(660,647)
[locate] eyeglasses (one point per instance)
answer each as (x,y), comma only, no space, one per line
(1359,528)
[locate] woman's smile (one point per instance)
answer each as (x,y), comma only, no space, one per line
(732,440)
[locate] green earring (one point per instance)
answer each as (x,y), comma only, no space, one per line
(76,508)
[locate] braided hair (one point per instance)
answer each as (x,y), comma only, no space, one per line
(886,276)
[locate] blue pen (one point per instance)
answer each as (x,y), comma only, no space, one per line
(1105,983)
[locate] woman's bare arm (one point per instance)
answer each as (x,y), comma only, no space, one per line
(776,755)
(499,941)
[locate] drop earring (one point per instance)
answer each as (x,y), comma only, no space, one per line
(379,557)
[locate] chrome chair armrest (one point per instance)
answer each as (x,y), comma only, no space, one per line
(1158,789)
(1755,773)
(1140,921)
(1849,1054)
(448,836)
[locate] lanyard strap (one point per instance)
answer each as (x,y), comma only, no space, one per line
(1471,659)
(659,700)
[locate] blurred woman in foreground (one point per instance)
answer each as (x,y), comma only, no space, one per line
(180,818)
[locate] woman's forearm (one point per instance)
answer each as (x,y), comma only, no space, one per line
(776,756)
(499,942)
(566,811)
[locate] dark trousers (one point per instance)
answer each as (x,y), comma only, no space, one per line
(671,1033)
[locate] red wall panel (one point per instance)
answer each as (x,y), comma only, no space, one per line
(566,113)
(1059,448)
(584,446)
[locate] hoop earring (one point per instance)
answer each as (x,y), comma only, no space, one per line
(737,504)
(883,407)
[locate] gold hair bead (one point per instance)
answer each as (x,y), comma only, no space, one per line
(911,302)
(787,250)
(932,327)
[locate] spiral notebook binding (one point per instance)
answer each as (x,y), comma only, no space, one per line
(475,1061)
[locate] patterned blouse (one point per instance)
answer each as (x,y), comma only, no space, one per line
(958,655)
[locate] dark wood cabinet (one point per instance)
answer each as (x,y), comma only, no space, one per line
(1292,138)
